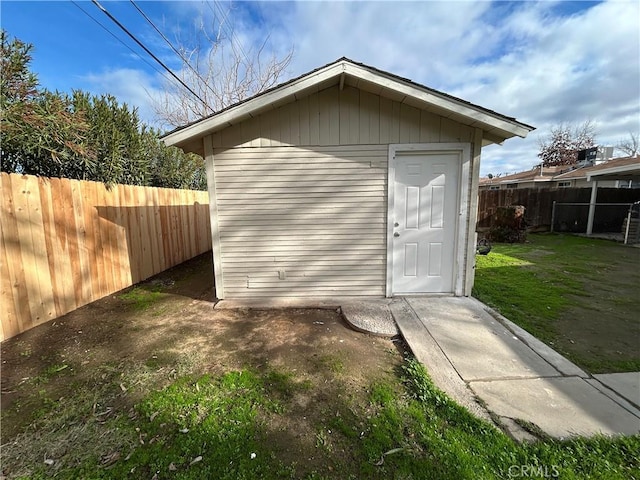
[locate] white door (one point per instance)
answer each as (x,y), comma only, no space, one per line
(424,222)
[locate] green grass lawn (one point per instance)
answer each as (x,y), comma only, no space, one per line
(579,295)
(222,427)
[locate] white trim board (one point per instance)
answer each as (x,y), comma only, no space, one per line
(213,213)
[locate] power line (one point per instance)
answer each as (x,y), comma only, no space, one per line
(177,52)
(119,40)
(114,20)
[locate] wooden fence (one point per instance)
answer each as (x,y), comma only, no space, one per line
(65,243)
(538,202)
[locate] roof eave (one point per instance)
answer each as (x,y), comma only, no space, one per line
(621,170)
(496,128)
(255,106)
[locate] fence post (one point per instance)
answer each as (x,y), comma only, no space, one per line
(626,230)
(592,207)
(553,215)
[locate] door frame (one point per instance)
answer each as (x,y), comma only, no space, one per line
(462,226)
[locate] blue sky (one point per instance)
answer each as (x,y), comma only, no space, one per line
(541,62)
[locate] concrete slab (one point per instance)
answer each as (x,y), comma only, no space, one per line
(613,395)
(370,316)
(283,302)
(559,362)
(429,353)
(517,432)
(626,385)
(478,346)
(562,407)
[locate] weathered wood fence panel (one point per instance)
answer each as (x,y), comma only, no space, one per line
(539,202)
(65,243)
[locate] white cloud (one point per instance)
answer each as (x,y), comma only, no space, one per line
(541,62)
(133,87)
(521,59)
(420,40)
(570,69)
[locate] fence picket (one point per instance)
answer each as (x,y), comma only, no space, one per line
(82,282)
(64,251)
(15,298)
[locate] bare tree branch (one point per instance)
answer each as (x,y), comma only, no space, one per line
(631,146)
(221,72)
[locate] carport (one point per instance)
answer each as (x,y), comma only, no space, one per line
(620,170)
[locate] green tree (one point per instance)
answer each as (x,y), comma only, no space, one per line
(82,136)
(172,168)
(127,151)
(40,131)
(117,137)
(563,143)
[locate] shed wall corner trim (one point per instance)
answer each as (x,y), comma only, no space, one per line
(213,211)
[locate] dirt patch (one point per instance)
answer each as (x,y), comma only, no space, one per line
(166,327)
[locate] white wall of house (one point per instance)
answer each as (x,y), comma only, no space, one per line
(301,194)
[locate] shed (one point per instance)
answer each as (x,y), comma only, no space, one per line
(347,181)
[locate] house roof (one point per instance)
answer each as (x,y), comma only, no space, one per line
(575,172)
(534,175)
(496,127)
(618,169)
(615,169)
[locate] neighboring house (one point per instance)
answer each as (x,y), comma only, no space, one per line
(346,181)
(537,177)
(563,176)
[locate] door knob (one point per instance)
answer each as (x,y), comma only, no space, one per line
(396,224)
(396,234)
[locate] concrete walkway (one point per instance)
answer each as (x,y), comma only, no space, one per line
(499,371)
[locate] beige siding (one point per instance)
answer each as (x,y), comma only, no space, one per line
(342,117)
(301,193)
(316,216)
